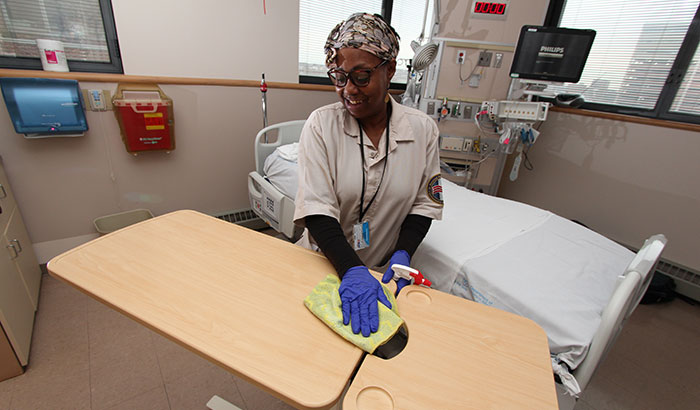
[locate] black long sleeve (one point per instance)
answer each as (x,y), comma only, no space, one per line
(413,230)
(329,236)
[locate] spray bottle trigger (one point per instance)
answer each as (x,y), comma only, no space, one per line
(408,273)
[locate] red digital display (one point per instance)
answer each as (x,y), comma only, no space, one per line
(483,7)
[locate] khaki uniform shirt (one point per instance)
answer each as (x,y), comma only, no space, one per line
(330,175)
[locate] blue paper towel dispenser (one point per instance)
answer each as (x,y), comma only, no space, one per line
(44,107)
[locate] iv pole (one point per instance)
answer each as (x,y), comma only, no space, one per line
(263,89)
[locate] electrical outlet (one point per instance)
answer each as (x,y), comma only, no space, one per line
(461,55)
(485,58)
(467,147)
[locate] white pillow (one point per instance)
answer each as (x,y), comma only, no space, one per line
(281,169)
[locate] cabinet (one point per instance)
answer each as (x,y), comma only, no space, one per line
(20,278)
(20,250)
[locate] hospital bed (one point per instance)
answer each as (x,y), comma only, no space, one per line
(579,286)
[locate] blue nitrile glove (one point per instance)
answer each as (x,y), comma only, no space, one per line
(402,258)
(359,292)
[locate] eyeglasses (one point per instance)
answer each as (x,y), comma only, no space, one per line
(360,77)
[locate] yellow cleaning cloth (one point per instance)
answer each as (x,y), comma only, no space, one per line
(324,302)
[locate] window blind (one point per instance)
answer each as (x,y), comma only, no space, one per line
(76,23)
(635,46)
(316,20)
(318,17)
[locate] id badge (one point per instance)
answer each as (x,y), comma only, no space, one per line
(360,235)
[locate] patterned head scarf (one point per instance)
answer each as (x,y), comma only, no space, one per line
(366,32)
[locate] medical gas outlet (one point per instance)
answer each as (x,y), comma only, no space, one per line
(516,110)
(444,110)
(449,110)
(461,55)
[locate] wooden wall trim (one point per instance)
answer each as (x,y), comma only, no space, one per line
(145,79)
(629,118)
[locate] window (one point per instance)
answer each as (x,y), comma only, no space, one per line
(644,59)
(687,99)
(318,17)
(86,28)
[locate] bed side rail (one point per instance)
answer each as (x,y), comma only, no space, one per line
(629,291)
(286,133)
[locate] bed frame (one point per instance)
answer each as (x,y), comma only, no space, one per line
(630,289)
(278,211)
(272,206)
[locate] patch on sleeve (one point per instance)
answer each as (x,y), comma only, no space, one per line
(434,189)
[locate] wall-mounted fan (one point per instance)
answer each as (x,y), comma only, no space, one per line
(423,55)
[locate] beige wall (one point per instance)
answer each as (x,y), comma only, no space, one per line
(624,180)
(209,38)
(479,33)
(455,21)
(62,184)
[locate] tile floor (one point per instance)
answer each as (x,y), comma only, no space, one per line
(655,363)
(86,356)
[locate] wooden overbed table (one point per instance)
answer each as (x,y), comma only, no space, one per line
(235,297)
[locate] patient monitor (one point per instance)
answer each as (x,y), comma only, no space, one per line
(551,53)
(548,56)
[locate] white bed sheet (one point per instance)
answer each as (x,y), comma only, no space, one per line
(472,224)
(526,261)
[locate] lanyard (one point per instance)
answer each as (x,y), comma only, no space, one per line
(363,210)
